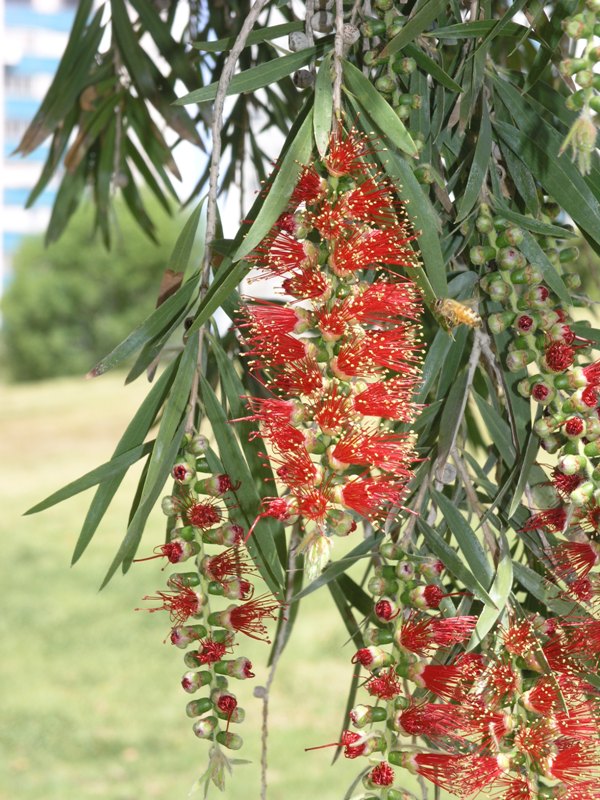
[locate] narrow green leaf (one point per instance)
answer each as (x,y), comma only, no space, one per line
(414,27)
(434,361)
(452,415)
(536,256)
(557,174)
(378,110)
(453,562)
(501,24)
(256,37)
(160,462)
(529,457)
(473,30)
(130,50)
(250,80)
(338,567)
(529,223)
(66,202)
(180,257)
(431,67)
(355,595)
(498,429)
(423,216)
(522,179)
(323,107)
(133,436)
(538,586)
(151,327)
(470,548)
(352,626)
(499,592)
(584,330)
(110,469)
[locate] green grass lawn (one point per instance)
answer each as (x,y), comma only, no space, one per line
(91,701)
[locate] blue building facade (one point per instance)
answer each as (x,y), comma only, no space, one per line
(34,36)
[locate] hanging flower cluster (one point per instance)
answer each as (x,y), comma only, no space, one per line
(198,510)
(566,384)
(516,720)
(341,359)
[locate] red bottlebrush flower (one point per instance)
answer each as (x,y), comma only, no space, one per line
(515,788)
(307,284)
(356,744)
(353,360)
(550,519)
(445,680)
(248,617)
(212,651)
(592,374)
(580,722)
(560,653)
(500,681)
(382,775)
(519,639)
(269,348)
(550,693)
(372,201)
(271,317)
(372,658)
(313,503)
(231,563)
(301,377)
(462,775)
(267,409)
(559,356)
(371,248)
(175,551)
(328,220)
(430,719)
(395,349)
(535,739)
(370,497)
(565,484)
(346,153)
(421,636)
(296,468)
(386,685)
(391,399)
(575,558)
(309,189)
(387,451)
(283,436)
(181,604)
(203,514)
(331,410)
(429,596)
(381,301)
(283,253)
(489,725)
(591,521)
(332,324)
(573,765)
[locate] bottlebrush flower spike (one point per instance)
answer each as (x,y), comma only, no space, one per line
(181,603)
(248,617)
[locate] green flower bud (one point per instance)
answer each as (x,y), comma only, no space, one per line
(385,84)
(372,26)
(510,237)
(500,321)
(481,255)
(582,494)
(404,65)
(232,741)
(205,728)
(195,708)
(571,464)
(484,224)
(510,258)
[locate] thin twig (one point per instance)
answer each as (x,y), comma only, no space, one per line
(410,526)
(277,651)
(217,122)
(338,54)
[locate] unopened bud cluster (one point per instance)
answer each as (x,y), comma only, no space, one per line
(563,381)
(198,521)
(515,717)
(584,28)
(393,76)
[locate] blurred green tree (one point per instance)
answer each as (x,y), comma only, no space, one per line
(72,302)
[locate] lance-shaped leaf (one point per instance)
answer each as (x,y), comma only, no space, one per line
(499,430)
(250,80)
(378,110)
(536,256)
(256,37)
(469,545)
(499,592)
(479,166)
(152,326)
(415,26)
(323,108)
(160,462)
(134,434)
(453,562)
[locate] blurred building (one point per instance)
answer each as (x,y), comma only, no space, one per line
(33,36)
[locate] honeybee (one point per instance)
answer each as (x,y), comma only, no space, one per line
(454,313)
